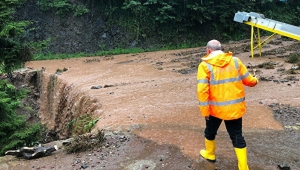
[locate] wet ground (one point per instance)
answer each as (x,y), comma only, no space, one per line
(150,98)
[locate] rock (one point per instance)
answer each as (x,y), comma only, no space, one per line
(284,167)
(96,87)
(84,166)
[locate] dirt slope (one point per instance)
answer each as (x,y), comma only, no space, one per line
(151,99)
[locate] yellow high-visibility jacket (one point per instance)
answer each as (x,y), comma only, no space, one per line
(220,89)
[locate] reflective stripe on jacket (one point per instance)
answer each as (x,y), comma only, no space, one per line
(220,89)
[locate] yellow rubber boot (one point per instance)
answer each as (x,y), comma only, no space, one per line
(209,152)
(241,154)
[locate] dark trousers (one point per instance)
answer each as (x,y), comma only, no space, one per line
(234,129)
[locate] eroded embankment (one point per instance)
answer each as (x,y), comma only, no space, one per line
(62,104)
(29,79)
(54,102)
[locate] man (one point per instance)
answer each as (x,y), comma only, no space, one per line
(220,89)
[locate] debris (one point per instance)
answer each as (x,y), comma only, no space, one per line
(84,142)
(284,167)
(32,152)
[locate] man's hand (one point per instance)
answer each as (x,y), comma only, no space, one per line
(257,78)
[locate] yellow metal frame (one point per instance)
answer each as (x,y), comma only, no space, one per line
(260,44)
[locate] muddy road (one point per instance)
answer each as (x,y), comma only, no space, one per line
(150,99)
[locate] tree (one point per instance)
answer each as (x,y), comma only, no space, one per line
(14,132)
(13,53)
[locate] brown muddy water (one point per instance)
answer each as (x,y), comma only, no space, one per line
(151,99)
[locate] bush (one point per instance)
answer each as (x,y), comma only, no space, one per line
(14,132)
(293,58)
(82,124)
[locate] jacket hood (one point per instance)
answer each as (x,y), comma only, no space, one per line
(218,58)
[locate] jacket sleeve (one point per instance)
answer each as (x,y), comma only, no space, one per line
(203,88)
(247,78)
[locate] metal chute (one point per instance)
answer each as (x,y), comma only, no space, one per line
(261,22)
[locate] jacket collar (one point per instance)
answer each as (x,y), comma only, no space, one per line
(212,54)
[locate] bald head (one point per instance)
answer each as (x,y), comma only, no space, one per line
(214,45)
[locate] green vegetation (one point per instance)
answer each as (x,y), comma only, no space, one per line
(13,53)
(170,24)
(174,22)
(293,58)
(291,71)
(14,132)
(115,51)
(100,53)
(82,124)
(63,7)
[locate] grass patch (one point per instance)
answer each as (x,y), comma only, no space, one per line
(82,124)
(115,51)
(293,58)
(266,65)
(291,71)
